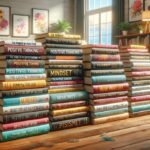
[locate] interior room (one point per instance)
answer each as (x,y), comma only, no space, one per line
(75,75)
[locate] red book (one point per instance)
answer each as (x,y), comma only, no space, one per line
(109,100)
(22,50)
(141,73)
(140,98)
(24,124)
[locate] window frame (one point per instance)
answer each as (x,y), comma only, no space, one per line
(87,13)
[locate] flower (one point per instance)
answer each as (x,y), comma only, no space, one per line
(137,5)
(4,23)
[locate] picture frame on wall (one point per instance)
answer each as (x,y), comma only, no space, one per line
(147,5)
(5,13)
(40,21)
(20,25)
(135,10)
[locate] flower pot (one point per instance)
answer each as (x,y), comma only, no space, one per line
(124,33)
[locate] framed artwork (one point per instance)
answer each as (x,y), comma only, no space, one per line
(5,12)
(147,5)
(135,10)
(20,25)
(40,21)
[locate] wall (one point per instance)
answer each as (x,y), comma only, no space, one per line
(58,9)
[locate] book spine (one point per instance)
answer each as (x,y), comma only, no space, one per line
(10,71)
(145,73)
(140,108)
(68,105)
(25,108)
(54,79)
(24,50)
(110,118)
(70,123)
(66,86)
(64,73)
(65,57)
(23,57)
(25,100)
(109,106)
(110,88)
(25,116)
(108,79)
(23,85)
(70,96)
(65,66)
(25,92)
(25,63)
(25,132)
(66,83)
(69,111)
(140,98)
(64,90)
(64,62)
(74,52)
(25,124)
(109,113)
(25,77)
(109,100)
(68,116)
(104,57)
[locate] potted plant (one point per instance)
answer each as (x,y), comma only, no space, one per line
(124,28)
(63,27)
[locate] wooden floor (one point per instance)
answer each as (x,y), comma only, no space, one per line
(130,134)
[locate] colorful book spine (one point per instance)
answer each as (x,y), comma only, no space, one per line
(14,101)
(25,132)
(66,83)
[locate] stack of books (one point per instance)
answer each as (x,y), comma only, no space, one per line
(136,60)
(106,82)
(24,102)
(68,100)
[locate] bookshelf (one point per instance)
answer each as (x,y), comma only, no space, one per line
(140,38)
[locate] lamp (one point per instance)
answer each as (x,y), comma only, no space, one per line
(146,18)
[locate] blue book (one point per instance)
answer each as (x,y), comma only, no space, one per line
(140,108)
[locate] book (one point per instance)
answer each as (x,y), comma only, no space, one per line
(64,72)
(69,110)
(139,92)
(65,124)
(11,71)
(55,79)
(103,65)
(140,98)
(90,73)
(22,50)
(132,104)
(66,86)
(68,105)
(69,96)
(24,100)
(109,100)
(105,79)
(72,82)
(22,77)
(110,118)
(140,87)
(64,62)
(109,113)
(101,57)
(110,94)
(107,107)
(64,90)
(63,51)
(23,108)
(138,46)
(64,66)
(24,124)
(139,82)
(138,73)
(107,88)
(5,57)
(12,85)
(25,132)
(65,36)
(100,51)
(137,64)
(68,116)
(140,108)
(57,57)
(22,64)
(47,45)
(23,92)
(23,116)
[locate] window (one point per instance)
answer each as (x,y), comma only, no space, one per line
(98,21)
